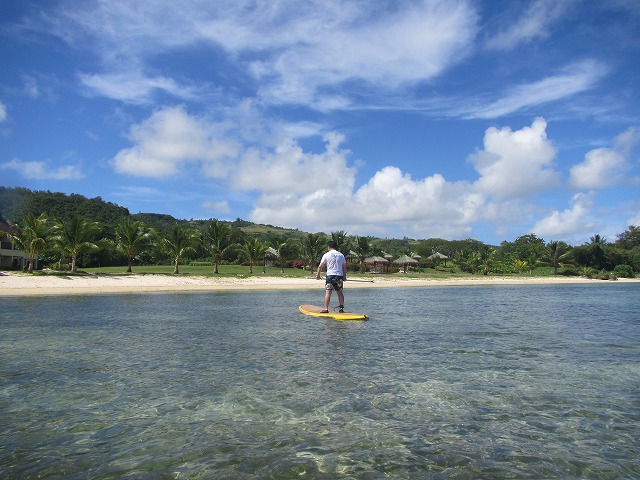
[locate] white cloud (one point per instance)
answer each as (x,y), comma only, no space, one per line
(302,52)
(120,32)
(288,169)
(535,22)
(392,196)
(389,202)
(573,220)
(147,193)
(515,164)
(3,112)
(31,86)
(574,79)
(316,191)
(606,167)
(92,135)
(397,48)
(627,140)
(243,150)
(42,171)
(602,168)
(303,129)
(133,87)
(170,140)
(216,207)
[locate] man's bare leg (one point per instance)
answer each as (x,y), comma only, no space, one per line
(341,297)
(327,299)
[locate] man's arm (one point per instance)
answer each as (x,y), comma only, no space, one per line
(319,270)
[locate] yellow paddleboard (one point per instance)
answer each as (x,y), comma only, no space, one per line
(316,312)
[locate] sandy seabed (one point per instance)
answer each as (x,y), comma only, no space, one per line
(20,284)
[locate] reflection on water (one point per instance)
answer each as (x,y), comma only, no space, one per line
(442,382)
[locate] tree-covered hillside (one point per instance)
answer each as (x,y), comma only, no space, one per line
(116,231)
(16,203)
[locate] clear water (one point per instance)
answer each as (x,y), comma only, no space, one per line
(442,383)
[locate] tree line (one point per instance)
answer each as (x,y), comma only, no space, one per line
(528,252)
(73,230)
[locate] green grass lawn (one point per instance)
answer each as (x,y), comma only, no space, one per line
(198,270)
(243,271)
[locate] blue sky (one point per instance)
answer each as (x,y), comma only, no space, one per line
(455,119)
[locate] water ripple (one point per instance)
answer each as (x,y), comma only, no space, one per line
(482,382)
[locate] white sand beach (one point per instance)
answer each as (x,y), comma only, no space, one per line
(21,284)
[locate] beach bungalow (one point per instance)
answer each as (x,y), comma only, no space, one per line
(10,257)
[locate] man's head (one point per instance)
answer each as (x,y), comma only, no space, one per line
(332,245)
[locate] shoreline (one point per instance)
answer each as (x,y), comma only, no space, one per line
(20,284)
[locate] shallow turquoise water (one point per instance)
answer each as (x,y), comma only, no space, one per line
(442,382)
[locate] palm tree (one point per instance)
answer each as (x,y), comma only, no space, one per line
(76,236)
(342,240)
(596,248)
(286,250)
(558,254)
(32,237)
(362,248)
(313,247)
(177,242)
(131,238)
(471,262)
(487,260)
(532,262)
(587,271)
(253,250)
(219,241)
(518,265)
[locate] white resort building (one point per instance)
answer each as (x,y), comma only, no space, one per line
(10,257)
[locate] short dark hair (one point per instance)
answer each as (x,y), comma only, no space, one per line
(332,244)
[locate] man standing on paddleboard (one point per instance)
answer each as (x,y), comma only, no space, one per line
(336,274)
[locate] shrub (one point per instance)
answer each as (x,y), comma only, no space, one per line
(587,272)
(623,271)
(59,266)
(569,272)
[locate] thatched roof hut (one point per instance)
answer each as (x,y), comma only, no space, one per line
(405,260)
(376,261)
(438,256)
